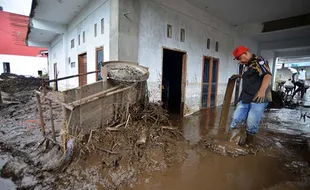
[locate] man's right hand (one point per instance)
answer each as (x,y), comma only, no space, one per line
(235,76)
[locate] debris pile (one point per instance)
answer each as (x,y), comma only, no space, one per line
(145,142)
(12,83)
(127,73)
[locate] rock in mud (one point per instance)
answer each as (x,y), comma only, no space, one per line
(226,148)
(28,182)
(13,169)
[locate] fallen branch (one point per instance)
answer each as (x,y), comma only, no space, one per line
(116,128)
(169,127)
(91,134)
(127,121)
(107,151)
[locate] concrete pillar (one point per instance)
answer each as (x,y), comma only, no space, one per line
(124,30)
(274,72)
(114,29)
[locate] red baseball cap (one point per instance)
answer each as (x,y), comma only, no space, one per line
(239,51)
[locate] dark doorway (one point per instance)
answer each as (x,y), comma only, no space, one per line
(174,62)
(82,69)
(6,67)
(209,82)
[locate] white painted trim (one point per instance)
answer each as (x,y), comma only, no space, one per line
(34,43)
(48,26)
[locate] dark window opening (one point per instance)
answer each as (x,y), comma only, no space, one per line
(72,43)
(102,26)
(208,43)
(169,31)
(95,30)
(217,46)
(84,37)
(182,37)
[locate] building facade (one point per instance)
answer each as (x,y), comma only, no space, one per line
(15,56)
(177,41)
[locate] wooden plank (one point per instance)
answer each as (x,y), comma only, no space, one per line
(42,125)
(227,101)
(52,120)
(72,76)
(93,97)
(54,100)
(120,90)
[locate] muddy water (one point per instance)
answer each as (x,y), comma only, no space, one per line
(212,171)
(5,184)
(203,169)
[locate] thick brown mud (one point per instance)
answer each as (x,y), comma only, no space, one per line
(281,159)
(146,156)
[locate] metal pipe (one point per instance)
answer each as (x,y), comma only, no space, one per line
(72,76)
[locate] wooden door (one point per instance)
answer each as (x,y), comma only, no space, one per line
(209,82)
(82,69)
(214,80)
(205,83)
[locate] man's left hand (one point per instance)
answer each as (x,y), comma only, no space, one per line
(259,97)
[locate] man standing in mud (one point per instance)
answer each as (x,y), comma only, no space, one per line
(255,95)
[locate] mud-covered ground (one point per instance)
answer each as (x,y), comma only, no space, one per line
(147,152)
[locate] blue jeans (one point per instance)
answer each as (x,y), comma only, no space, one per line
(251,113)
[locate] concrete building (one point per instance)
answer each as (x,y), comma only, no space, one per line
(283,72)
(15,56)
(185,42)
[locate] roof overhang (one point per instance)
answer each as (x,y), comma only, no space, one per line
(48,19)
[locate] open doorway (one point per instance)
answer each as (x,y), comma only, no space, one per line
(209,82)
(174,64)
(82,69)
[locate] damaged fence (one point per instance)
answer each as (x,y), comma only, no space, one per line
(90,107)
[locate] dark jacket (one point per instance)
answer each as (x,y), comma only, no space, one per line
(252,78)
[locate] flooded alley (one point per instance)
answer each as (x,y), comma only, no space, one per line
(280,163)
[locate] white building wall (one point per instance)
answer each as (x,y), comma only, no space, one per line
(199,26)
(25,65)
(91,14)
(57,55)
